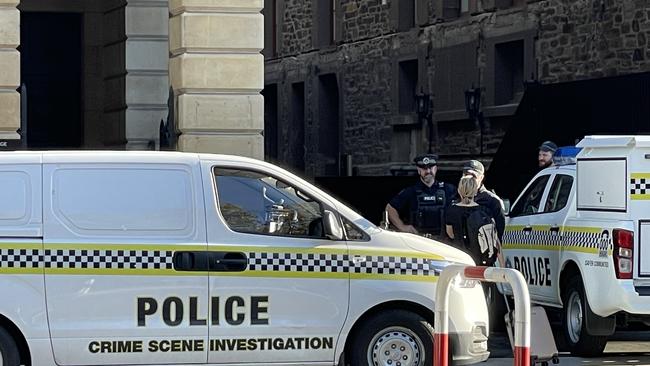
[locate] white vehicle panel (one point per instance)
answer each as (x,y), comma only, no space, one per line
(644,248)
(109,277)
(602,184)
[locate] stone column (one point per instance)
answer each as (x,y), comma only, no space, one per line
(147,68)
(10,66)
(217,73)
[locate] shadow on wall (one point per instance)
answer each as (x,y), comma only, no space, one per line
(564,113)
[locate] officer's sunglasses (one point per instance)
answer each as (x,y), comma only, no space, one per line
(426,166)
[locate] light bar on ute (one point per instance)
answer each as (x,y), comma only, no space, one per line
(566,155)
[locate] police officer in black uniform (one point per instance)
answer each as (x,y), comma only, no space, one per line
(420,209)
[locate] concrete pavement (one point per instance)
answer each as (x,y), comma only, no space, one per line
(625,348)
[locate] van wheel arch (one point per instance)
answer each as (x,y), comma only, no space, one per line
(414,308)
(18,338)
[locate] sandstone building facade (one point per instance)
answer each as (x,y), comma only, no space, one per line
(97,74)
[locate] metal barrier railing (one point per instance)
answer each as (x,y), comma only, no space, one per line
(487,274)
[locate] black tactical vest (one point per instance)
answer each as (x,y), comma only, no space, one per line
(428,215)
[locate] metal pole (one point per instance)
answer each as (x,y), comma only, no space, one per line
(489,274)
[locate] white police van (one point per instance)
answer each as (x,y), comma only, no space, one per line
(580,235)
(151,258)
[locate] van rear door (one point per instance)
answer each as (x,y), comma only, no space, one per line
(21,243)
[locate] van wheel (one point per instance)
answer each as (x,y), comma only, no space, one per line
(395,338)
(9,355)
(578,340)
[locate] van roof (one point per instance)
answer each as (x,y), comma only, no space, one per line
(614,141)
(90,156)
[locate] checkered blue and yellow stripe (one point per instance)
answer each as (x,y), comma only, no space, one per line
(567,238)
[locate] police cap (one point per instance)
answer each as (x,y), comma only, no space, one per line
(426,160)
(548,146)
(474,167)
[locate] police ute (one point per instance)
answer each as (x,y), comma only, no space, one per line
(580,235)
(161,258)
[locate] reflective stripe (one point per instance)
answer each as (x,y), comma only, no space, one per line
(573,238)
(157,260)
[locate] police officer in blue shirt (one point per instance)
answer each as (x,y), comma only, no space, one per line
(420,209)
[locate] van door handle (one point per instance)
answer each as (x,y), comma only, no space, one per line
(190,261)
(527,229)
(555,229)
(228,262)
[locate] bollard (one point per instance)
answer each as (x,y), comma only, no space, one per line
(486,274)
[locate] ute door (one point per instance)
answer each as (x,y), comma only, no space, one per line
(116,292)
(279,287)
(548,230)
(522,241)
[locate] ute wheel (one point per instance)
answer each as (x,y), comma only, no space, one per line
(9,355)
(579,342)
(393,338)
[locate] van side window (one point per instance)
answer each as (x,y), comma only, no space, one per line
(559,193)
(352,232)
(530,200)
(256,203)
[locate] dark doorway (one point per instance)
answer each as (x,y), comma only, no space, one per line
(328,131)
(51,68)
(270,94)
(297,130)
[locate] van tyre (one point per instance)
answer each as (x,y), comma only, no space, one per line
(9,355)
(579,342)
(394,337)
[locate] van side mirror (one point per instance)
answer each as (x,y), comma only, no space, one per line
(506,207)
(333,229)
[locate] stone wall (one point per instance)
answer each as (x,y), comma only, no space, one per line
(592,39)
(296,28)
(364,19)
(563,40)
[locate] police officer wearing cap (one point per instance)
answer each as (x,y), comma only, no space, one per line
(545,155)
(420,209)
(486,198)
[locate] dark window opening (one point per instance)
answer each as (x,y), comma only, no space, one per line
(270,28)
(51,66)
(406,13)
(450,9)
(297,130)
(324,20)
(270,93)
(328,129)
(464,6)
(408,82)
(504,4)
(508,72)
